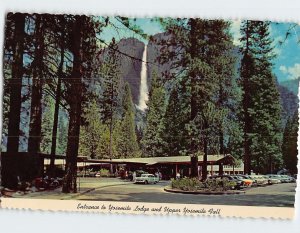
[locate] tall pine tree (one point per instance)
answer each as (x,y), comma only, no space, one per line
(261,115)
(152,143)
(127,145)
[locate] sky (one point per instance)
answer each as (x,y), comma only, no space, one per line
(286,64)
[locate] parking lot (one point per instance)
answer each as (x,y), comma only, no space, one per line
(276,195)
(114,189)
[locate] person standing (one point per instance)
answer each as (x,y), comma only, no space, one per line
(177,176)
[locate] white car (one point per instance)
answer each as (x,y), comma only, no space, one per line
(259,180)
(272,179)
(147,179)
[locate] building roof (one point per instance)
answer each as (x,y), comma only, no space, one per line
(152,161)
(211,159)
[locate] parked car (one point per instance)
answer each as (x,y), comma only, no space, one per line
(282,178)
(147,179)
(247,181)
(288,179)
(272,179)
(254,183)
(260,180)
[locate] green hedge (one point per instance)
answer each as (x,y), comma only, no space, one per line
(194,184)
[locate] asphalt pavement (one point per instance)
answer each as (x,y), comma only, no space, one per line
(112,189)
(277,195)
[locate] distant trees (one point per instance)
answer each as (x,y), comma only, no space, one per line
(289,146)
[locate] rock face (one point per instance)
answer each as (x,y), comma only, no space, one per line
(289,102)
(131,68)
(292,85)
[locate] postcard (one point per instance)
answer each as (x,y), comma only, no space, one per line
(161,115)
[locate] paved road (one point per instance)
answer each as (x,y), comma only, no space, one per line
(274,195)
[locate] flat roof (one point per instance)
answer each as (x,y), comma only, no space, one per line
(211,159)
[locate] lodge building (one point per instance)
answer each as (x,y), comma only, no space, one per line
(168,166)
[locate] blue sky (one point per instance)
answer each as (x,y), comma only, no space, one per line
(286,64)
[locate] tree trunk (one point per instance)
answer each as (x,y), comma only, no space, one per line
(15,84)
(246,98)
(205,147)
(221,142)
(111,128)
(57,102)
(74,99)
(36,94)
(193,145)
(69,182)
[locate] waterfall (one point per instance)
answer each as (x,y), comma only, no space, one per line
(144,92)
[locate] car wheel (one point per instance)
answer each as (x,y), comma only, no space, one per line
(146,181)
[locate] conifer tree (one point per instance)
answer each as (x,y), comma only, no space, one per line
(83,46)
(175,119)
(261,115)
(204,47)
(91,131)
(15,83)
(152,143)
(127,145)
(110,96)
(35,128)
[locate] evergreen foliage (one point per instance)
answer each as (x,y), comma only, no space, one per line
(176,118)
(261,115)
(289,146)
(152,142)
(127,145)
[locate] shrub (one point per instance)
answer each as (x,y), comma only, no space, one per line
(194,184)
(104,172)
(186,184)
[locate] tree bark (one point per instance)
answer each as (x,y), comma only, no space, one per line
(74,99)
(15,84)
(193,145)
(111,127)
(57,101)
(246,98)
(204,167)
(35,129)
